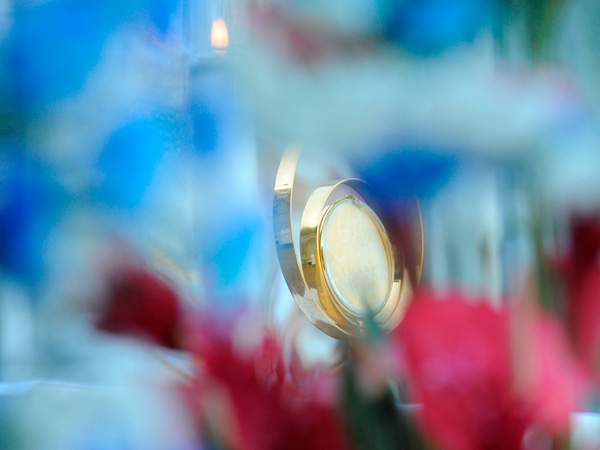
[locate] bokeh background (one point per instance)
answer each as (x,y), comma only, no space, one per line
(141,302)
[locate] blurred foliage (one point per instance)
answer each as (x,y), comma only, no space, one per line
(541,20)
(375,421)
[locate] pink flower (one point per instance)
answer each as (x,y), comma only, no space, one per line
(485,377)
(249,401)
(555,385)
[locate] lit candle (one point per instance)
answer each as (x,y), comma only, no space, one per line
(219,36)
(208,64)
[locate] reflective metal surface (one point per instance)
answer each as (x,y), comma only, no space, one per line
(305,269)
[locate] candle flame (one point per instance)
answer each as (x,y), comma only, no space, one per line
(219,36)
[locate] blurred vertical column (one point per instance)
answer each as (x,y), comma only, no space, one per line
(465,229)
(465,223)
(229,214)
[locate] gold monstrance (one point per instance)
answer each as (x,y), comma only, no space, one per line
(348,274)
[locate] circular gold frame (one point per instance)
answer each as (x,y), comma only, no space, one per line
(387,246)
(307,278)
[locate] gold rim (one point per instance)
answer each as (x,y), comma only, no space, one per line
(307,277)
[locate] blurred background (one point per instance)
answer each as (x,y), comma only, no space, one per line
(142,305)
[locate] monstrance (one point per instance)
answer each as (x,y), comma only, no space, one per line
(354,269)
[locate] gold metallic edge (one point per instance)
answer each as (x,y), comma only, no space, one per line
(286,248)
(311,263)
(292,268)
(387,317)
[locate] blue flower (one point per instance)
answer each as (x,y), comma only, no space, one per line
(399,174)
(429,27)
(128,161)
(160,12)
(228,249)
(52,48)
(157,12)
(31,203)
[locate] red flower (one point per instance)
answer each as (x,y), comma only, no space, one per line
(140,304)
(585,235)
(482,378)
(249,401)
(581,270)
(584,308)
